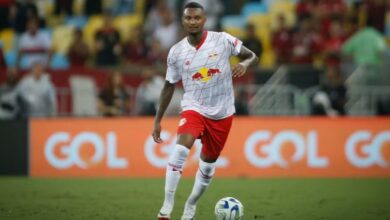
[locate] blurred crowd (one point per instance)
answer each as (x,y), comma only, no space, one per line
(145,43)
(337,35)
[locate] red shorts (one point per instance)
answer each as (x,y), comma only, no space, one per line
(212,133)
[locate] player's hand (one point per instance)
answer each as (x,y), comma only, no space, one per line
(239,70)
(156,133)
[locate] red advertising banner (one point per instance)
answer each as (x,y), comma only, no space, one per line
(256,147)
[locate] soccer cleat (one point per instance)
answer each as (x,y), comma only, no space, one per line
(165,212)
(162,216)
(189,212)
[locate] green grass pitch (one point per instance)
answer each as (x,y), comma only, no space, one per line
(140,199)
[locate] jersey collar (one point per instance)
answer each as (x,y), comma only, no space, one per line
(202,40)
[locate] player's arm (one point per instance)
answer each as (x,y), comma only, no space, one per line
(165,99)
(248,58)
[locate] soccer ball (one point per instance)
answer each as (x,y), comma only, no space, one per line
(229,208)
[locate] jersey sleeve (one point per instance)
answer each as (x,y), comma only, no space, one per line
(172,75)
(233,43)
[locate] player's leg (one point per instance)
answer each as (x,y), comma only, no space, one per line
(188,131)
(213,141)
(203,178)
(174,170)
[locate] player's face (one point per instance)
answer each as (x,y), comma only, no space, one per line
(193,20)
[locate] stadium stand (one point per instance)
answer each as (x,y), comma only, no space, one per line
(299,81)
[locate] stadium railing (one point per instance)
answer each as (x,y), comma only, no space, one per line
(273,100)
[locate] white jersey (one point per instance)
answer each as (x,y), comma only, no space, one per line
(39,41)
(205,73)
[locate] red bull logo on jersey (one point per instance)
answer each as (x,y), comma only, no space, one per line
(205,74)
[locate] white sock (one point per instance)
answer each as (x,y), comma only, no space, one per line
(173,174)
(202,180)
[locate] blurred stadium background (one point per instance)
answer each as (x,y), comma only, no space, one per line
(80,79)
(302,47)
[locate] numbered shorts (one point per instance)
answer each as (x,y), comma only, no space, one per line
(212,133)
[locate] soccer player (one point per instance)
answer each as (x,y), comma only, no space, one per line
(201,62)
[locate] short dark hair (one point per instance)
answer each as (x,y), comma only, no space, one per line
(193,5)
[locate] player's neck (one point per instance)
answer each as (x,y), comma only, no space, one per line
(196,38)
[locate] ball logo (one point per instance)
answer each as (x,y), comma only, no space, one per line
(158,154)
(270,146)
(371,146)
(70,147)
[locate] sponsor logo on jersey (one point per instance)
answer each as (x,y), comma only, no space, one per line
(213,55)
(205,74)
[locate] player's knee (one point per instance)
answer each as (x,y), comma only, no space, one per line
(186,140)
(206,169)
(178,157)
